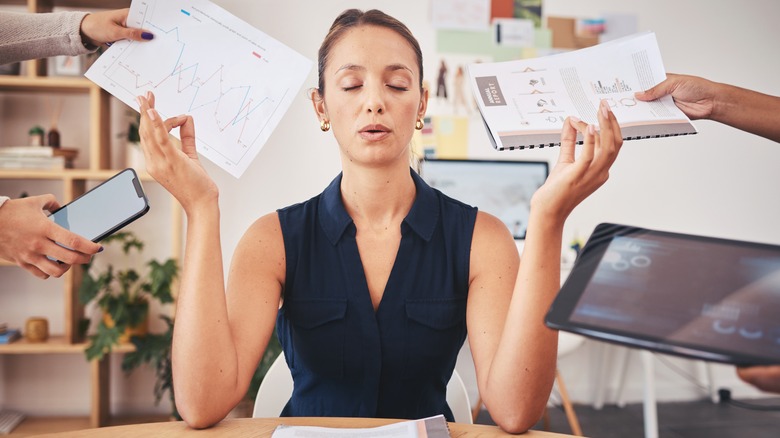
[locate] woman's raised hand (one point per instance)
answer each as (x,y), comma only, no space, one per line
(574,179)
(175,168)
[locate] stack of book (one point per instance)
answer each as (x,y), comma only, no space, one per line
(36,157)
(8,335)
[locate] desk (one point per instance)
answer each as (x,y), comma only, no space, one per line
(264,427)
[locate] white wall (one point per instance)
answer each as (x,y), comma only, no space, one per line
(720,182)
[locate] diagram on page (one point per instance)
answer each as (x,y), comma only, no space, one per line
(234,80)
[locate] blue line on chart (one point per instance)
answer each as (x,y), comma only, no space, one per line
(185,12)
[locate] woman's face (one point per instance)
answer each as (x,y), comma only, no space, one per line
(372,95)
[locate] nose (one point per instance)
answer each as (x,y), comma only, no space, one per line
(375,100)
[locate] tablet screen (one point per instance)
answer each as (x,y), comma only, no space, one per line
(710,298)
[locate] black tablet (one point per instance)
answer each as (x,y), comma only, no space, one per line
(686,295)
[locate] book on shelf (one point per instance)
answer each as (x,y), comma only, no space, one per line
(9,420)
(524,103)
(32,163)
(10,335)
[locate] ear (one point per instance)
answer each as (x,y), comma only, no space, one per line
(423,103)
(319,104)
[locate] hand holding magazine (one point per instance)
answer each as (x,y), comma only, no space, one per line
(524,103)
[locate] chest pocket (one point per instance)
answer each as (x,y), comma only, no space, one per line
(318,335)
(435,331)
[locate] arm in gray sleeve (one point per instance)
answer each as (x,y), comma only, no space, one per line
(32,36)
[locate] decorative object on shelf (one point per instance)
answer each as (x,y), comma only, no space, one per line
(53,137)
(66,65)
(123,294)
(36,329)
(36,135)
(11,69)
(134,156)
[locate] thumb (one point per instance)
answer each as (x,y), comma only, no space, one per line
(48,202)
(654,93)
(134,34)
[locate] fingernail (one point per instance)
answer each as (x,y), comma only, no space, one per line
(138,99)
(101,249)
(109,44)
(147,36)
(604,108)
(148,94)
(152,114)
(591,130)
(574,119)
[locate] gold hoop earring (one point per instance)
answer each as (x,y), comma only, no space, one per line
(419,125)
(324,125)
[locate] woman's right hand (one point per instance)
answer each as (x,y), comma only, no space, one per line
(177,169)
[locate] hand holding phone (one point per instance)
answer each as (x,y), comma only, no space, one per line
(105,209)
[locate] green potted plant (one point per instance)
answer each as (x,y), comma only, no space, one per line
(123,295)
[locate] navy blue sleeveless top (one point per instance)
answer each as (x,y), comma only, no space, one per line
(348,360)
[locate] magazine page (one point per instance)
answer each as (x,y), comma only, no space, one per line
(525,102)
(431,427)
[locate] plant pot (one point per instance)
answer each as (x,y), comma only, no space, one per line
(138,330)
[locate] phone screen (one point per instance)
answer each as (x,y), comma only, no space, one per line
(106,208)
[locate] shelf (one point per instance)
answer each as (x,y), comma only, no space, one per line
(54,345)
(45,84)
(66,174)
(31,426)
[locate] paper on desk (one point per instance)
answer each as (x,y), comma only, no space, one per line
(524,103)
(431,427)
(236,81)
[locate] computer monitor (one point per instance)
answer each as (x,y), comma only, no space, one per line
(502,188)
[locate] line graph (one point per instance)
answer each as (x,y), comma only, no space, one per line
(233,79)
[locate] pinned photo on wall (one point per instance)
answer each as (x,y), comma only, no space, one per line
(514,32)
(523,9)
(460,14)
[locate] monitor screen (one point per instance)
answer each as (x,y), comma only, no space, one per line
(501,188)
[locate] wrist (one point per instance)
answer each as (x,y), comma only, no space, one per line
(86,41)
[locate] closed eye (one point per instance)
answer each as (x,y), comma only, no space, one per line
(397,88)
(354,87)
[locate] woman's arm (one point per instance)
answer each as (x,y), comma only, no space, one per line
(218,338)
(514,352)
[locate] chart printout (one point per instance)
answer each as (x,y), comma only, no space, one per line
(233,79)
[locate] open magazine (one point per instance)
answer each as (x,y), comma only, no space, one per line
(525,102)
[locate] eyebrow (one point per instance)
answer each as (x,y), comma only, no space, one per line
(391,67)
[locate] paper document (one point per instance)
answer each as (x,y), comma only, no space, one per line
(234,80)
(431,427)
(524,103)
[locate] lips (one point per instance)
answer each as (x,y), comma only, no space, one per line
(374,132)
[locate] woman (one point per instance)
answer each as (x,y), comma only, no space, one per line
(375,280)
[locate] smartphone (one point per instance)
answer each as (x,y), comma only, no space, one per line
(105,209)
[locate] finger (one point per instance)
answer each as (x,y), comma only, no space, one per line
(123,32)
(48,202)
(152,129)
(32,269)
(51,268)
(609,139)
(568,140)
(187,134)
(78,249)
(175,122)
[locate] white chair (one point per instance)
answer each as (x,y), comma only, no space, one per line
(277,386)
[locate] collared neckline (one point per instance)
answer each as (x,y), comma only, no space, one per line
(421,219)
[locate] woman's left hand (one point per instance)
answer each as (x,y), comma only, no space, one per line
(574,179)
